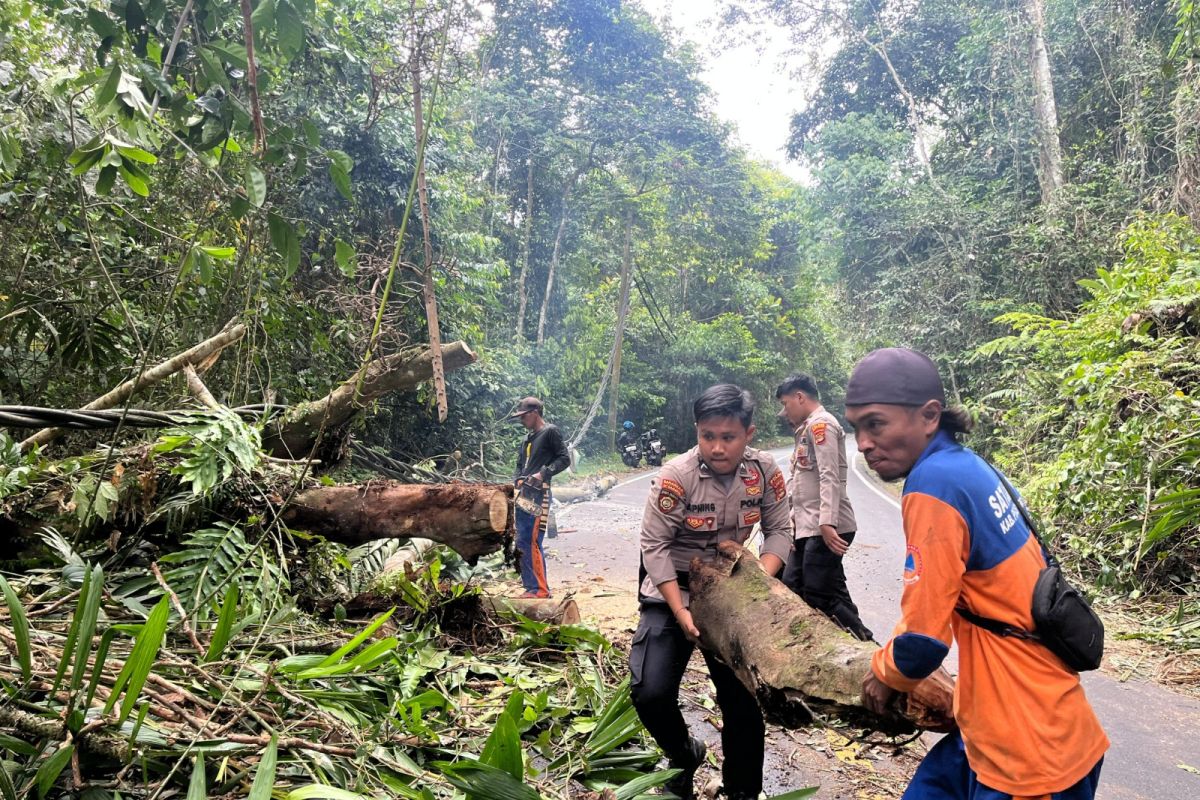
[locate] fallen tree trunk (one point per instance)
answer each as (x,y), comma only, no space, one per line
(473,519)
(296,434)
(795,660)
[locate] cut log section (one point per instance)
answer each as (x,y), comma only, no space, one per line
(556,612)
(795,660)
(473,519)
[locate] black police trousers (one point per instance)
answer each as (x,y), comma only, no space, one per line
(815,573)
(657,661)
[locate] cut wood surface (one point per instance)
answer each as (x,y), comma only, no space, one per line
(473,519)
(558,612)
(795,660)
(295,435)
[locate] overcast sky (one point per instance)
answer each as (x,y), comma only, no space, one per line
(751,88)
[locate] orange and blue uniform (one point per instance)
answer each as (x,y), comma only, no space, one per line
(1027,729)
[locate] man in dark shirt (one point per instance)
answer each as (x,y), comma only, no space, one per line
(543,455)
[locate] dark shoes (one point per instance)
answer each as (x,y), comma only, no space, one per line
(682,784)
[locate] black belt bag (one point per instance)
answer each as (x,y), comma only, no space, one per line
(1063,620)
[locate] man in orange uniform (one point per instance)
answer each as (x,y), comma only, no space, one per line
(1026,730)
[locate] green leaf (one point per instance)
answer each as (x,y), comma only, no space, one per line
(135,181)
(293,254)
(52,767)
(220,252)
(345,257)
(87,161)
(281,230)
(795,794)
(342,160)
(102,23)
(340,166)
(233,53)
(502,749)
(224,629)
(141,660)
(108,89)
(264,776)
(106,179)
(7,790)
(86,615)
(137,154)
(84,489)
(256,186)
(20,629)
(198,786)
(643,783)
(263,16)
(366,632)
(205,265)
(483,782)
(312,134)
(319,791)
(289,28)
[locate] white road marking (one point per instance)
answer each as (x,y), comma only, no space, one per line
(647,476)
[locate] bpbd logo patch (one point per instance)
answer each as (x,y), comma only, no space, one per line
(913,566)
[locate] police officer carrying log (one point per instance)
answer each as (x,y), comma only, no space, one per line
(823,519)
(715,492)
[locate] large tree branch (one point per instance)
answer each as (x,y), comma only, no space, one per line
(151,376)
(297,433)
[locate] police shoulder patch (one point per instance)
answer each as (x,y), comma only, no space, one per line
(778,485)
(818,431)
(670,495)
(674,487)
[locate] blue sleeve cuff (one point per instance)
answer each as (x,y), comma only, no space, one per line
(917,655)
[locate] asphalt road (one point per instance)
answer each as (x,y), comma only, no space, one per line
(1155,733)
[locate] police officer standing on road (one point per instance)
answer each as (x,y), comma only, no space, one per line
(715,492)
(821,512)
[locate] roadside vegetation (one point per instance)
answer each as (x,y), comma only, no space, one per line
(546,182)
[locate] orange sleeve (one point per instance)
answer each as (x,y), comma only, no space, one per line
(937,538)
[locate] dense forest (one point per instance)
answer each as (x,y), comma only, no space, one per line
(1009,186)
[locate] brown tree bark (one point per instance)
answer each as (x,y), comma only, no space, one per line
(614,395)
(473,519)
(1050,174)
(296,435)
(796,661)
(526,240)
(427,288)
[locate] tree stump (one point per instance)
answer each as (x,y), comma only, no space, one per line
(794,659)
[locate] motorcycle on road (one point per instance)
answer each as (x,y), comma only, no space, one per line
(631,453)
(652,447)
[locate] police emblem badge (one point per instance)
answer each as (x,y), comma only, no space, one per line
(778,485)
(670,495)
(818,432)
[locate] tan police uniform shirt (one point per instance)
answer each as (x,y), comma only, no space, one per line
(819,467)
(689,510)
